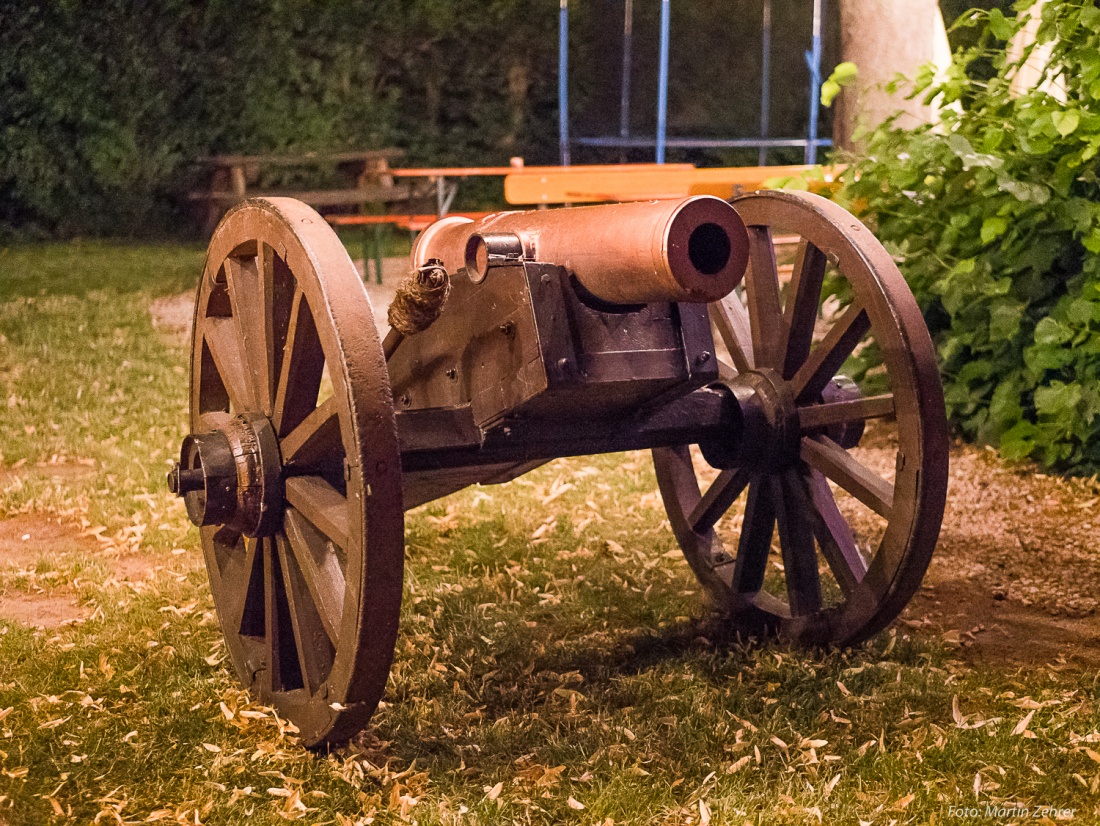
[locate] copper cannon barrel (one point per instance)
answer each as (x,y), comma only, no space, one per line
(693,249)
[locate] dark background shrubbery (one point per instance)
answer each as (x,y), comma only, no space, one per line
(104,104)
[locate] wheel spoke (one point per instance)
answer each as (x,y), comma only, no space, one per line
(320,568)
(818,416)
(824,362)
(762,286)
(732,321)
(251,291)
(285,672)
(718,499)
(726,371)
(239,579)
(271,682)
(801,313)
(312,639)
(825,455)
(834,535)
(224,343)
(209,394)
(301,369)
(212,420)
(797,541)
(322,506)
(756,538)
(316,440)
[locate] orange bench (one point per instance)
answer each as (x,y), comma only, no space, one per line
(579,185)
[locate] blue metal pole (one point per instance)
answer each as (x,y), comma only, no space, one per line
(628,48)
(766,81)
(813,60)
(662,82)
(563,82)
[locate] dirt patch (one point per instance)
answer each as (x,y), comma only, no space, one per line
(29,539)
(54,471)
(1016,576)
(173,315)
(996,631)
(41,610)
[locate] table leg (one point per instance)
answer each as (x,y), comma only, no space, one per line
(444,196)
(238,181)
(379,238)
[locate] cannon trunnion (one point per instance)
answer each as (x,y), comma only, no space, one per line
(796,419)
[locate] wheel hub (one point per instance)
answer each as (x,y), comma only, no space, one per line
(768,437)
(769,434)
(232,476)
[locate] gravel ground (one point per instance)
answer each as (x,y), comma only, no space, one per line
(1016,575)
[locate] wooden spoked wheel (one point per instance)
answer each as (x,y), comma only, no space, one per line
(293,469)
(832,508)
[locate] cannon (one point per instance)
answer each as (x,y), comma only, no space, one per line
(807,500)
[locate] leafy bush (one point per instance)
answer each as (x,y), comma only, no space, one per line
(105,104)
(995,218)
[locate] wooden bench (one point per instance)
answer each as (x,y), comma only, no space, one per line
(365,178)
(585,185)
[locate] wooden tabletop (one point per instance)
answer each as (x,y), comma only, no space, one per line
(291,159)
(580,169)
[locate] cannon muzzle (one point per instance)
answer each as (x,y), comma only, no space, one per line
(694,249)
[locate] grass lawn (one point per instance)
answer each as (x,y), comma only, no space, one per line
(556,663)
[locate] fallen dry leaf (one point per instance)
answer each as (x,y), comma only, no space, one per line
(1021,726)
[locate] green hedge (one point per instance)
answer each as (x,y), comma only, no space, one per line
(995,219)
(104,103)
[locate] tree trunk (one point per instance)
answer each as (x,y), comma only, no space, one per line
(885,38)
(1027,77)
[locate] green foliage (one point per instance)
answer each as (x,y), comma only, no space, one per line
(995,219)
(842,75)
(106,103)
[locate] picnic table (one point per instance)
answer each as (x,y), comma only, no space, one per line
(363,176)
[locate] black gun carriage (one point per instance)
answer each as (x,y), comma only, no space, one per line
(672,326)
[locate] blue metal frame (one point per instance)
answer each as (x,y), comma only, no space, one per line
(661,142)
(662,81)
(813,61)
(563,82)
(765,81)
(628,51)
